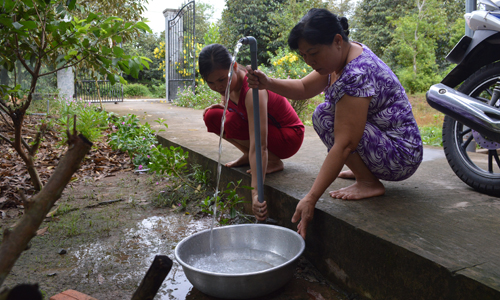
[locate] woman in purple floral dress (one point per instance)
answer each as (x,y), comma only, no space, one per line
(366,120)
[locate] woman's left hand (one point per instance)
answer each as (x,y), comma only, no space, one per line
(259,209)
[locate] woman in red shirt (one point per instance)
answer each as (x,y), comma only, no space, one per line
(281,134)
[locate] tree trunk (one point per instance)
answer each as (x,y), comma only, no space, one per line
(15,241)
(17,119)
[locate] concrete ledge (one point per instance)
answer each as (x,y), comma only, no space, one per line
(429,237)
(354,259)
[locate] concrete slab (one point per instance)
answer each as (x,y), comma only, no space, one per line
(428,237)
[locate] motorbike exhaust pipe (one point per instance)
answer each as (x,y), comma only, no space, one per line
(469,111)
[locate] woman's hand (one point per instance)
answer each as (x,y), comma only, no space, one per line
(210,107)
(259,209)
(304,212)
(257,79)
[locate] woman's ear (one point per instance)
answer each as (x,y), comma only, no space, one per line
(235,67)
(337,40)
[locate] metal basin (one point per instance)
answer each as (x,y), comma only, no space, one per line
(266,240)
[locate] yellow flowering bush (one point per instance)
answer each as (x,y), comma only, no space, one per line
(289,65)
(184,68)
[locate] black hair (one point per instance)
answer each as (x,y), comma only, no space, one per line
(213,57)
(318,26)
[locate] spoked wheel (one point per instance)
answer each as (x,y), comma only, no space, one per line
(479,169)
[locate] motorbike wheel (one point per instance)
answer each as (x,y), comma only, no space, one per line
(481,169)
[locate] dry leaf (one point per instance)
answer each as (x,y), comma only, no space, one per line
(42,231)
(51,213)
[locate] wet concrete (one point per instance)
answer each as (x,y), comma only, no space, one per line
(428,237)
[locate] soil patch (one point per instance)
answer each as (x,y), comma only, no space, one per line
(105,250)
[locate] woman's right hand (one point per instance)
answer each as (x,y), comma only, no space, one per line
(304,212)
(212,106)
(257,79)
(259,209)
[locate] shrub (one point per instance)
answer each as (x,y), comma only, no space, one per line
(136,90)
(137,140)
(90,121)
(202,98)
(432,135)
(159,91)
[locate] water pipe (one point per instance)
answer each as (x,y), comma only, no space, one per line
(250,40)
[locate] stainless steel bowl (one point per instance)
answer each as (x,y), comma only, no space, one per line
(268,238)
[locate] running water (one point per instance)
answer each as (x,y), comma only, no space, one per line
(219,168)
(237,261)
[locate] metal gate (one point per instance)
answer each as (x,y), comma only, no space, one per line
(86,90)
(180,51)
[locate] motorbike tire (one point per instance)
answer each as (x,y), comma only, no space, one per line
(484,178)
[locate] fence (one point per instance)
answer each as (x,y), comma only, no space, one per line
(88,91)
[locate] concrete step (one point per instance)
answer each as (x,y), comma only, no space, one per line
(428,237)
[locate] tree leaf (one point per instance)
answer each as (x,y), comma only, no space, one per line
(8,5)
(134,68)
(17,25)
(117,51)
(143,26)
(29,24)
(70,4)
(117,38)
(144,61)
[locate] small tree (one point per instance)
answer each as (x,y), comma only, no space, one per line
(415,42)
(243,18)
(44,32)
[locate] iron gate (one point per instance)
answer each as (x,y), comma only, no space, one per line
(180,51)
(86,90)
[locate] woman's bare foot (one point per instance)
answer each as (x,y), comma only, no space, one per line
(272,167)
(242,161)
(346,175)
(360,190)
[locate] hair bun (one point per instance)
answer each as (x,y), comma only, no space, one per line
(345,25)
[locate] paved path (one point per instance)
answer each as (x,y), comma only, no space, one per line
(428,237)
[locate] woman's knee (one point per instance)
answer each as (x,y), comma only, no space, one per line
(212,120)
(323,120)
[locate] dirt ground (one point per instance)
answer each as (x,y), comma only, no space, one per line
(104,234)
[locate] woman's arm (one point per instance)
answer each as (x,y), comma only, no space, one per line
(260,209)
(350,121)
(297,89)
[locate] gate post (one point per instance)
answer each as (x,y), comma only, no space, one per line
(167,63)
(169,14)
(66,83)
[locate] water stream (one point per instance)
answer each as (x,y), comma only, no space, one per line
(219,167)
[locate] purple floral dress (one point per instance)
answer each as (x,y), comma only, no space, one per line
(391,146)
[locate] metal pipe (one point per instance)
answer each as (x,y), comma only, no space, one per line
(250,40)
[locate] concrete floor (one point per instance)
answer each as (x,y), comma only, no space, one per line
(428,237)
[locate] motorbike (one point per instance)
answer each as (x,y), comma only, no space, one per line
(471,127)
